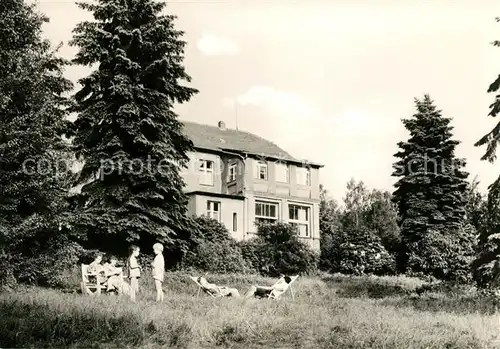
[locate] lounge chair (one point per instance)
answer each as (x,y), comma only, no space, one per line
(276,295)
(216,291)
(275,291)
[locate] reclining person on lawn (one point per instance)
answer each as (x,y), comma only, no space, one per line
(265,291)
(222,290)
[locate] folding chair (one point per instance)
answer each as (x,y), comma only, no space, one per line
(90,282)
(275,294)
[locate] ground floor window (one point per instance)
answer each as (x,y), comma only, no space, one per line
(266,211)
(213,210)
(235,222)
(299,216)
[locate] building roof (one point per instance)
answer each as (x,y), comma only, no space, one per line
(220,138)
(216,195)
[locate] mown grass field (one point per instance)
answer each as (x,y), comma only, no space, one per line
(328,312)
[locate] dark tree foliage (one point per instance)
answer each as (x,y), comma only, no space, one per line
(127,132)
(381,217)
(431,197)
(477,207)
(33,153)
(485,268)
(492,138)
(331,230)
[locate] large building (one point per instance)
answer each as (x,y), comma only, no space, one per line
(239,178)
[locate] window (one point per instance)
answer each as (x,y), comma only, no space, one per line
(266,211)
(303,176)
(213,210)
(282,173)
(299,217)
(206,172)
(231,173)
(235,222)
(261,170)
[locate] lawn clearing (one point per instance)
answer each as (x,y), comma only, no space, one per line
(328,312)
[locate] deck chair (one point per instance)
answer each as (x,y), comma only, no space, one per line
(210,292)
(275,295)
(90,283)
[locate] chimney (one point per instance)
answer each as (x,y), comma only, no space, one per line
(222,125)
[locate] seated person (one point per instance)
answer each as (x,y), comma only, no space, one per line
(112,275)
(265,291)
(223,290)
(95,268)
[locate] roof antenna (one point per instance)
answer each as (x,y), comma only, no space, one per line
(236,113)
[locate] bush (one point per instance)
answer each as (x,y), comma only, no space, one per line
(364,253)
(47,267)
(211,248)
(249,250)
(445,255)
(7,278)
(277,250)
(485,267)
(331,242)
(357,251)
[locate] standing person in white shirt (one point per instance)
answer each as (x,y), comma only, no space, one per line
(134,271)
(158,270)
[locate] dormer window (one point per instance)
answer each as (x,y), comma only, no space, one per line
(206,172)
(261,170)
(231,173)
(282,173)
(303,176)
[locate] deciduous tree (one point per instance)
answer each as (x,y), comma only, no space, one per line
(33,153)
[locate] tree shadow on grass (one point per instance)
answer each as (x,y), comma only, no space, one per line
(443,303)
(397,293)
(364,287)
(27,324)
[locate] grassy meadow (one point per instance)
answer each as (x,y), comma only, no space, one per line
(330,311)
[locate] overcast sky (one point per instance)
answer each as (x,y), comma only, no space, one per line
(330,80)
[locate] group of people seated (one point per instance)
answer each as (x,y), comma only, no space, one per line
(107,274)
(254,290)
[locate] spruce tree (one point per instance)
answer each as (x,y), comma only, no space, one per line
(431,197)
(488,250)
(33,153)
(492,138)
(485,265)
(126,131)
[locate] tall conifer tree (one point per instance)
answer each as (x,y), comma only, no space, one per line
(488,251)
(431,197)
(127,132)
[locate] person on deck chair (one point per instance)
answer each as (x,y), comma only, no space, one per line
(113,275)
(95,271)
(223,290)
(264,291)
